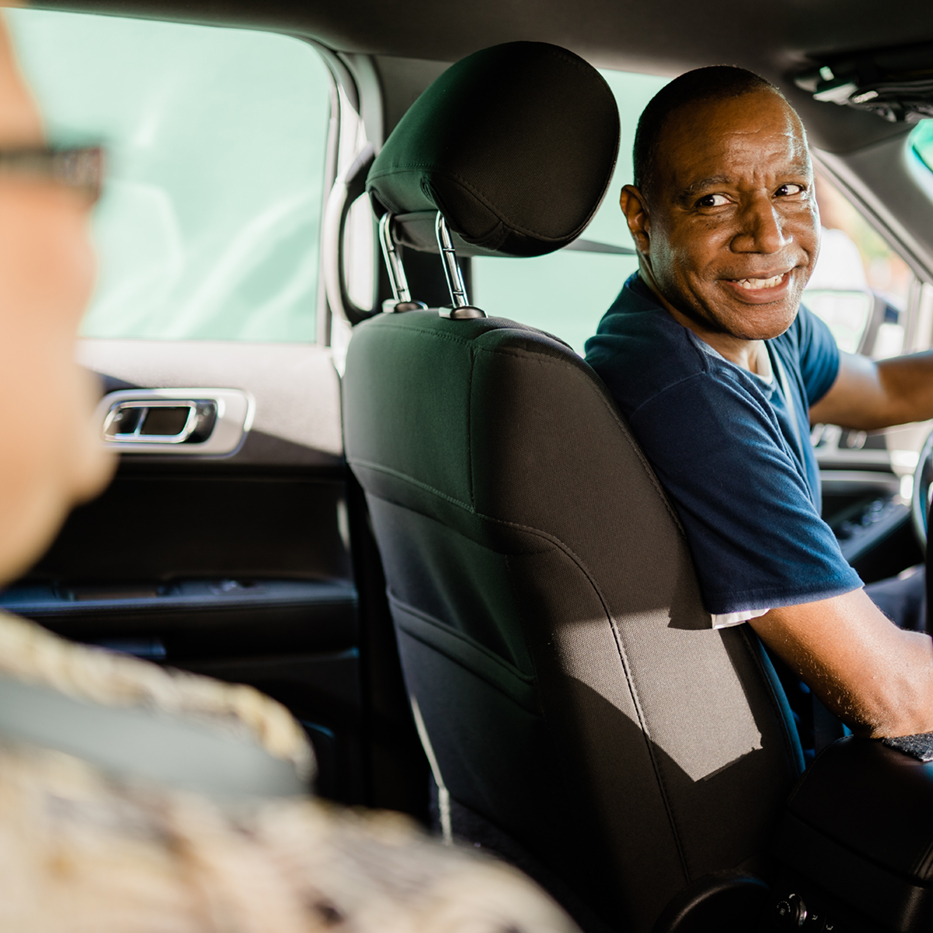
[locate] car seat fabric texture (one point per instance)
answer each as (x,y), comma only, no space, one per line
(548,616)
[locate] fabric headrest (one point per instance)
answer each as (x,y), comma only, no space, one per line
(515,145)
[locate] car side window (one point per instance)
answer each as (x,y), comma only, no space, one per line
(209,225)
(860,287)
(921,140)
(567,292)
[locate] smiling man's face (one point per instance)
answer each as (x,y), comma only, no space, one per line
(729,232)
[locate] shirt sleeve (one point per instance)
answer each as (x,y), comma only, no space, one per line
(818,355)
(756,538)
(729,619)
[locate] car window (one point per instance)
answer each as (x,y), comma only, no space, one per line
(860,287)
(922,141)
(566,293)
(217,142)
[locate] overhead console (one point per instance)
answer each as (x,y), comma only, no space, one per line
(896,84)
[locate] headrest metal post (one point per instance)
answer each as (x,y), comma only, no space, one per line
(458,295)
(394,267)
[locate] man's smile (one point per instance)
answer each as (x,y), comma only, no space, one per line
(772,282)
(762,289)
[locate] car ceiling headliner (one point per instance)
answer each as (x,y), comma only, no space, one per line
(773,37)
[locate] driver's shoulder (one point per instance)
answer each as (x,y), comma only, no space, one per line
(642,354)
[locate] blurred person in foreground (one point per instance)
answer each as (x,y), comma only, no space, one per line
(90,840)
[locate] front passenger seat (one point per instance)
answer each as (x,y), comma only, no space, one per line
(580,714)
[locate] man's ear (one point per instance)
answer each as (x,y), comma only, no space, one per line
(632,202)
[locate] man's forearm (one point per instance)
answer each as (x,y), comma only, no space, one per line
(870,395)
(875,677)
(907,382)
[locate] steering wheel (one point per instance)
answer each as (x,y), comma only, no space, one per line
(923,487)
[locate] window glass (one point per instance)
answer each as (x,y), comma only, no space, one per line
(922,141)
(209,224)
(859,286)
(566,293)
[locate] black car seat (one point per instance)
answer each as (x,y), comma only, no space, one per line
(578,711)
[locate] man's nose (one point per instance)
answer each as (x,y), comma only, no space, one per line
(761,228)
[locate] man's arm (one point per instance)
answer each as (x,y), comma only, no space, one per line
(873,676)
(869,395)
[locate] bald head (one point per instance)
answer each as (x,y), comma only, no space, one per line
(686,93)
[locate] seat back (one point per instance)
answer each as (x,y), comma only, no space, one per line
(570,690)
(548,617)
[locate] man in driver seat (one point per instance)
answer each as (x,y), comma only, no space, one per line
(720,371)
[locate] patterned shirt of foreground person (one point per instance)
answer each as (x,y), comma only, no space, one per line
(85,849)
(88,848)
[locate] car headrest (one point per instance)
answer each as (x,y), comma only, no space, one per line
(515,145)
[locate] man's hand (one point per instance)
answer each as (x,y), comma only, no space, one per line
(873,676)
(867,395)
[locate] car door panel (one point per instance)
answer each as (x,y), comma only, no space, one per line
(235,566)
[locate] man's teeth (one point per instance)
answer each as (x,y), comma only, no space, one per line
(760,283)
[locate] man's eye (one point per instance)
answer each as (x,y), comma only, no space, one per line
(713,200)
(786,191)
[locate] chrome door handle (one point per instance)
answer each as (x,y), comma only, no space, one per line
(175,421)
(160,421)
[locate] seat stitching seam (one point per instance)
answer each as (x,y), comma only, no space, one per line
(378,468)
(469,670)
(523,619)
(466,639)
(659,776)
(530,529)
(623,659)
(463,341)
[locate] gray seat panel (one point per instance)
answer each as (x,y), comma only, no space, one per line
(514,510)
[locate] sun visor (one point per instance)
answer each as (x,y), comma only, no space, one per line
(515,145)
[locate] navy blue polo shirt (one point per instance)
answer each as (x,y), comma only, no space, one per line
(724,447)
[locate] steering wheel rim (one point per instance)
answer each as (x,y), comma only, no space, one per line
(923,488)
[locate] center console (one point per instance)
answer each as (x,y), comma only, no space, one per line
(855,846)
